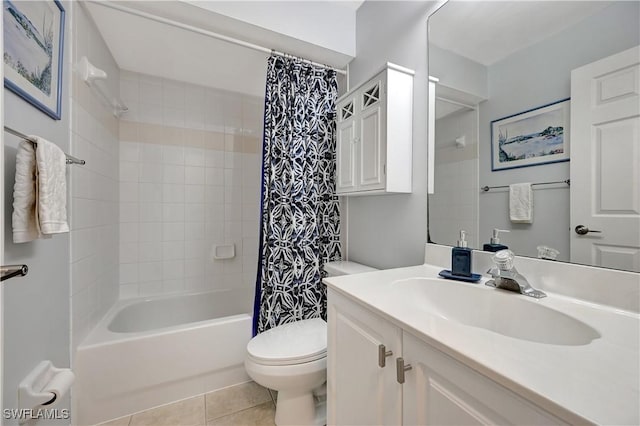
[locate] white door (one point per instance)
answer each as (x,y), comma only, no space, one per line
(439,390)
(361,386)
(371,163)
(605,162)
(344,159)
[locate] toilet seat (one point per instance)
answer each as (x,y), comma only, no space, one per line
(290,344)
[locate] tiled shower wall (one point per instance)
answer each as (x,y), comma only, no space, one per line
(454,205)
(189,180)
(93,211)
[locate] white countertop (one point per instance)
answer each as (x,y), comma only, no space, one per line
(598,382)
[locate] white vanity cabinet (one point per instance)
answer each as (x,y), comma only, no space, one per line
(437,389)
(361,352)
(375,135)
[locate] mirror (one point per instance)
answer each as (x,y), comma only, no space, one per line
(496,62)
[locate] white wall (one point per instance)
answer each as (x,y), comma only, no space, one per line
(393,32)
(94,186)
(327,24)
(457,72)
(189,179)
(540,75)
(36,307)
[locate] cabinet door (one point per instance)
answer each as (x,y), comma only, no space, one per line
(345,149)
(359,390)
(442,391)
(371,169)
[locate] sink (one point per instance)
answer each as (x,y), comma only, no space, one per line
(497,311)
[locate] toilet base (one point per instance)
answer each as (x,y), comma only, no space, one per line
(300,408)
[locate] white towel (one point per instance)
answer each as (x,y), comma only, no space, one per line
(521,203)
(51,164)
(39,192)
(25,224)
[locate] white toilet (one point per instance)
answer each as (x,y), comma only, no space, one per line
(292,359)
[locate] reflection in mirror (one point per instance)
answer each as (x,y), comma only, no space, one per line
(496,60)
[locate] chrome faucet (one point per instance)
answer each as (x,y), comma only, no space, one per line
(507,277)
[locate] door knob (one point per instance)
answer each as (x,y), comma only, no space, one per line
(383,353)
(400,369)
(583,230)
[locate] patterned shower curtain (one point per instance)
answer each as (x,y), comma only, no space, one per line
(300,219)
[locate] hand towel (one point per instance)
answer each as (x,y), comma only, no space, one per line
(51,200)
(25,224)
(521,203)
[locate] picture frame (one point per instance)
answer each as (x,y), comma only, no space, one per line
(34,52)
(531,138)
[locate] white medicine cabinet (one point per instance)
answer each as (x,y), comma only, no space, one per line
(375,135)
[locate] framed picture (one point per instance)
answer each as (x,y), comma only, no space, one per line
(33,52)
(531,138)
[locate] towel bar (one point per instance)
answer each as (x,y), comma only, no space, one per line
(70,159)
(10,271)
(487,188)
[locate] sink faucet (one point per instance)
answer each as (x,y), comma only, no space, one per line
(507,277)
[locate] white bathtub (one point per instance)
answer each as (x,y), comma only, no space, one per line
(152,351)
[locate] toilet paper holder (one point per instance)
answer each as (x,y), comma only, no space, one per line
(44,385)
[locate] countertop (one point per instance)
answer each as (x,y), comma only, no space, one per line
(598,382)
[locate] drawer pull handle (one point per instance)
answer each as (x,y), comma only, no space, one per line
(383,353)
(400,369)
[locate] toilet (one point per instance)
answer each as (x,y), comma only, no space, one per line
(292,359)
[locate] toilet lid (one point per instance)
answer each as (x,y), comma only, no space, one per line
(293,343)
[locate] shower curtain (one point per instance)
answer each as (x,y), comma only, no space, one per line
(300,217)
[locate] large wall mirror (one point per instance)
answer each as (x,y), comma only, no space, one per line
(502,116)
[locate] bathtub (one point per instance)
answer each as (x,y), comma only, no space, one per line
(151,351)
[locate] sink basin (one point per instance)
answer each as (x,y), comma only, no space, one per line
(498,311)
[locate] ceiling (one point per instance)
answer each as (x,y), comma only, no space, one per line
(526,22)
(146,46)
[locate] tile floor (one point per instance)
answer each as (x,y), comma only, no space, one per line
(246,404)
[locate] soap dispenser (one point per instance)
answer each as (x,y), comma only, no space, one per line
(494,245)
(461,258)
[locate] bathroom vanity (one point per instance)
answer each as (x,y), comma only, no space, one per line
(407,347)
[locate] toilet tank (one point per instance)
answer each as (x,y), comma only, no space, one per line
(345,267)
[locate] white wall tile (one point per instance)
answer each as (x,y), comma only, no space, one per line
(150,271)
(150,212)
(173,154)
(150,192)
(194,212)
(150,288)
(129,252)
(150,153)
(172,193)
(194,156)
(128,171)
(194,194)
(194,175)
(172,250)
(150,172)
(128,273)
(129,212)
(214,176)
(176,213)
(173,231)
(173,174)
(173,212)
(150,251)
(150,232)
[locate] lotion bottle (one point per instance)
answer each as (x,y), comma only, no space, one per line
(461,258)
(494,245)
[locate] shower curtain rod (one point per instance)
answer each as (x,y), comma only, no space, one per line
(205,32)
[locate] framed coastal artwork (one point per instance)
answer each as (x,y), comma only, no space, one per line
(531,138)
(33,52)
